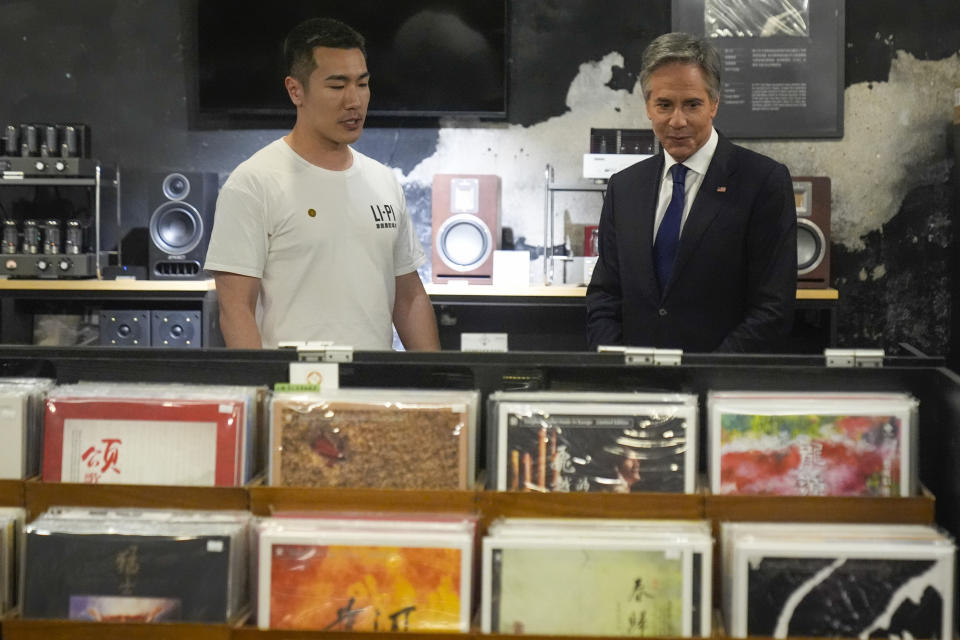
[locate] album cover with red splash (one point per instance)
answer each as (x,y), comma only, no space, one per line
(143,441)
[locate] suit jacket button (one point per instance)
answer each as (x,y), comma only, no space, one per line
(662,312)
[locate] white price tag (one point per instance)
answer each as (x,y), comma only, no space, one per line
(326,375)
(483,341)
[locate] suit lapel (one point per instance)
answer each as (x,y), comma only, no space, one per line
(647,206)
(712,200)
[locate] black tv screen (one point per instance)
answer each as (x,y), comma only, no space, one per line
(427,58)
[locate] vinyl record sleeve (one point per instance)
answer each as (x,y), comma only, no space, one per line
(127,578)
(616,447)
(143,441)
(596,586)
(872,587)
(14,433)
(364,580)
(836,444)
(11,541)
(389,439)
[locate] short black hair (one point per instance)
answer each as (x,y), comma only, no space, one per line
(299,44)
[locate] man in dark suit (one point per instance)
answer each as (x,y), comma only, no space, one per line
(698,244)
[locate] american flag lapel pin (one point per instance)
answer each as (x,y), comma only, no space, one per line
(721,189)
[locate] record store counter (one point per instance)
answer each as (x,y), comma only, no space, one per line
(22,300)
(552,318)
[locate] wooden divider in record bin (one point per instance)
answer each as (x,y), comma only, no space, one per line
(265,501)
(16,629)
(11,493)
(906,510)
(39,496)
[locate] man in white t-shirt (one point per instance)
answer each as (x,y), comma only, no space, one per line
(315,232)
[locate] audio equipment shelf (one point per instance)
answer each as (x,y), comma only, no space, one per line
(21,300)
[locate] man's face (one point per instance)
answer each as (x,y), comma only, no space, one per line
(680,109)
(334,103)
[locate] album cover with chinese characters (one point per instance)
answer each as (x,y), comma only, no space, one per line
(388,438)
(127,578)
(846,585)
(812,444)
(595,446)
(144,441)
(631,581)
(364,580)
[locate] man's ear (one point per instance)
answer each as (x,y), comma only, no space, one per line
(294,90)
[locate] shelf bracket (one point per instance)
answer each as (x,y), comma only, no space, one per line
(320,351)
(855,358)
(646,356)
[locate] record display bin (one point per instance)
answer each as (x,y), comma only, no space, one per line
(11,493)
(936,388)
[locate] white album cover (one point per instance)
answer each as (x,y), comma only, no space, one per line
(14,433)
(139,452)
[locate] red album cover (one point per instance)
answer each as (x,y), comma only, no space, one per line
(143,441)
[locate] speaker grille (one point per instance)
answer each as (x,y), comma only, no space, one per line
(183,269)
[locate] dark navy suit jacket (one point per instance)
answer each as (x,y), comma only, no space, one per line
(733,286)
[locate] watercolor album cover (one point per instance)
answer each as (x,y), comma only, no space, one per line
(594,447)
(572,580)
(363,587)
(807,446)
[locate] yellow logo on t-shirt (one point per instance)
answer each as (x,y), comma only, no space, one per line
(312,213)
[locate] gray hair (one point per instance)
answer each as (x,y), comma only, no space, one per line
(685,49)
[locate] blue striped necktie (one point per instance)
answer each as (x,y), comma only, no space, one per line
(668,235)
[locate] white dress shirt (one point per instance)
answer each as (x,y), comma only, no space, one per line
(697,165)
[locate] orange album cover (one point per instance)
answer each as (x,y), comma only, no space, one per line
(366,588)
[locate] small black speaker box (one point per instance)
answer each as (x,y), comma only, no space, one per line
(182,205)
(182,329)
(125,328)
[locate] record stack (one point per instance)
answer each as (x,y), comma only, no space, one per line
(152,434)
(608,442)
(837,580)
(815,444)
(597,577)
(11,530)
(374,438)
(136,565)
(366,572)
(21,425)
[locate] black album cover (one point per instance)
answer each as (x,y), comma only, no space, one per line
(846,597)
(127,578)
(550,451)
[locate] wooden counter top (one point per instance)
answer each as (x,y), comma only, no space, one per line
(106,285)
(566,291)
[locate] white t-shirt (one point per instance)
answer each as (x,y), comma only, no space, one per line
(326,245)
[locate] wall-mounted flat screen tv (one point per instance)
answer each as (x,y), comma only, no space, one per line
(427,58)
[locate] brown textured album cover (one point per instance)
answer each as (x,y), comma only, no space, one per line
(349,444)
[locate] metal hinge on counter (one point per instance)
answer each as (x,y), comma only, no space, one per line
(646,356)
(320,351)
(858,358)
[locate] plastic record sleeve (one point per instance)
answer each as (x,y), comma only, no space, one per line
(364,578)
(374,438)
(849,580)
(21,425)
(646,580)
(814,436)
(113,434)
(612,442)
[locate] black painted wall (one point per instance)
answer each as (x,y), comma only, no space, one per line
(120,66)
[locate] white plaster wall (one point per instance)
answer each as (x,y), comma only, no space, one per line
(892,131)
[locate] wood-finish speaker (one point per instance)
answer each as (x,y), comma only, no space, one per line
(466,227)
(812,197)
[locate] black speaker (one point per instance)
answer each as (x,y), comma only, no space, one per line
(176,329)
(182,205)
(125,328)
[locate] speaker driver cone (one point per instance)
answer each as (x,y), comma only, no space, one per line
(176,227)
(464,242)
(811,246)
